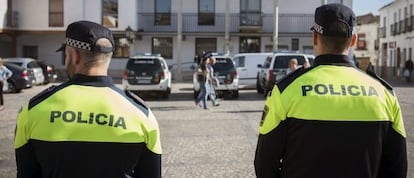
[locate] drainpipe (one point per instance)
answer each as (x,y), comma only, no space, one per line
(227,27)
(276,25)
(178,76)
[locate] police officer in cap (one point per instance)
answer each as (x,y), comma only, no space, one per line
(331,120)
(87,127)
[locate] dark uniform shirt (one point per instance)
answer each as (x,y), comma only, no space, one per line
(331,120)
(87,128)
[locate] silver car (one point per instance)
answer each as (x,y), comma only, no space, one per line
(32,66)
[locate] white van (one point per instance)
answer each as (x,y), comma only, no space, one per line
(246,64)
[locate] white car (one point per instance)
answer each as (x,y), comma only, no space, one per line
(147,73)
(32,67)
(247,67)
(226,73)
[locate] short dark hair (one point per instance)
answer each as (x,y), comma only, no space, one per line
(336,44)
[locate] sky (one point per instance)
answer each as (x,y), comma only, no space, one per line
(362,7)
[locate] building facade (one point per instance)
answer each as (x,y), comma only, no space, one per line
(395,37)
(177,29)
(367,47)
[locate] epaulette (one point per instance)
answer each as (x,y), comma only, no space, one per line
(45,94)
(138,101)
(284,82)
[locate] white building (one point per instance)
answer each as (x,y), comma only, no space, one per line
(366,49)
(177,29)
(396,37)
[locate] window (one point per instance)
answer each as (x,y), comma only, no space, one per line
(240,61)
(162,12)
(30,51)
(250,12)
(361,43)
(55,13)
(295,44)
(206,12)
(249,44)
(163,46)
(121,47)
(205,45)
(110,13)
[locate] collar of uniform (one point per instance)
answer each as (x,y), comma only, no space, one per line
(98,81)
(333,59)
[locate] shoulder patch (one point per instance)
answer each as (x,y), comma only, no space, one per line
(382,81)
(138,102)
(284,82)
(45,94)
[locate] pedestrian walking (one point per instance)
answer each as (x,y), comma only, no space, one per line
(202,77)
(87,127)
(331,120)
(212,82)
(408,70)
(5,74)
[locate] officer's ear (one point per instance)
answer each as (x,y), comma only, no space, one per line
(315,38)
(353,40)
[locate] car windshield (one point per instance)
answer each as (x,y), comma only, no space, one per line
(146,64)
(223,64)
(283,61)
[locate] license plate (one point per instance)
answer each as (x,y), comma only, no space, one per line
(143,81)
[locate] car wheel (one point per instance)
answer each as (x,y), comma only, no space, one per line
(258,87)
(235,94)
(12,88)
(165,94)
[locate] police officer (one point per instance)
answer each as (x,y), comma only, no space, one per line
(87,127)
(331,120)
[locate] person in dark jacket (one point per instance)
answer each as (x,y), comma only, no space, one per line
(87,127)
(332,119)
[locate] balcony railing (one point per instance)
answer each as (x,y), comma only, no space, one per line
(382,32)
(288,23)
(402,26)
(407,24)
(251,19)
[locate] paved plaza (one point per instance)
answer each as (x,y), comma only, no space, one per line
(198,143)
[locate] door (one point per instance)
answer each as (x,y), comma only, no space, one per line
(241,67)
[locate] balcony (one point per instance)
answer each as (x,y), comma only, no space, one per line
(402,26)
(382,32)
(251,22)
(407,24)
(215,23)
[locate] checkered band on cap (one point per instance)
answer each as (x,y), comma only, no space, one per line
(78,44)
(318,28)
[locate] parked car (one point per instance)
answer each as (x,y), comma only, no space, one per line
(226,73)
(32,66)
(18,81)
(274,68)
(49,72)
(246,64)
(146,73)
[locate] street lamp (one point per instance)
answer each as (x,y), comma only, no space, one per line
(130,34)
